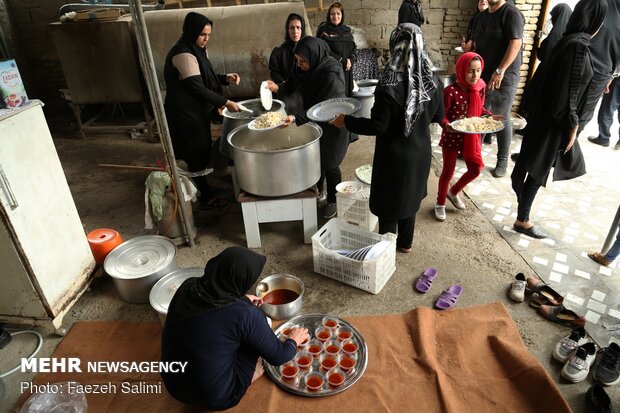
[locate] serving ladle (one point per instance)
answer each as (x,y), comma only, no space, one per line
(262,288)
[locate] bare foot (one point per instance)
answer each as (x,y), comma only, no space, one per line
(260,370)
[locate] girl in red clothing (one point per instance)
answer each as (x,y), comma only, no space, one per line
(462,99)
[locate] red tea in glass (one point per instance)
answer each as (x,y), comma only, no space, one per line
(314,382)
(289,371)
(349,346)
(344,333)
(347,363)
(303,360)
(323,334)
(329,322)
(315,347)
(335,379)
(328,362)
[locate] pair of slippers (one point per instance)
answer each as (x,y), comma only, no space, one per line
(447,299)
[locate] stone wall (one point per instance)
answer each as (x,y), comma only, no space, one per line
(27,33)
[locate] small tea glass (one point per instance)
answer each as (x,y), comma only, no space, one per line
(303,360)
(289,371)
(347,362)
(331,347)
(329,322)
(349,346)
(335,377)
(322,334)
(328,362)
(344,333)
(315,381)
(314,347)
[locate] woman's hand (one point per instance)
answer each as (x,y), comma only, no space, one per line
(300,335)
(500,118)
(257,301)
(467,46)
(338,121)
(232,106)
(288,120)
(571,139)
(271,85)
(233,78)
(449,128)
(348,66)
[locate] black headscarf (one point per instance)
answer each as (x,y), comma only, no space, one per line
(227,277)
(316,52)
(192,27)
(408,63)
(339,32)
(587,17)
(293,16)
(560,16)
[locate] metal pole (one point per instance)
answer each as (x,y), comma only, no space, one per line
(612,232)
(148,68)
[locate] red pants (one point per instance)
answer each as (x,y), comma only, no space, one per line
(473,159)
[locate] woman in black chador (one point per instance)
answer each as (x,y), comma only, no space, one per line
(553,103)
(560,15)
(410,11)
(319,77)
(407,100)
(340,40)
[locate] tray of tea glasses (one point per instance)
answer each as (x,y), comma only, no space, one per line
(332,360)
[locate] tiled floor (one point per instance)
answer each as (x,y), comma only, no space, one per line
(577,214)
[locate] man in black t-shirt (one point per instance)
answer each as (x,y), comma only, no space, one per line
(497,37)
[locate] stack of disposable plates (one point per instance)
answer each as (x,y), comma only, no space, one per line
(371,252)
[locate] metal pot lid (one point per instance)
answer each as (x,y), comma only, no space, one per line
(162,292)
(140,257)
(255,106)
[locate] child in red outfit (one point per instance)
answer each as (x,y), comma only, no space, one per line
(462,99)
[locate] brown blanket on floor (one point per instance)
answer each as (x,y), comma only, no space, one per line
(461,360)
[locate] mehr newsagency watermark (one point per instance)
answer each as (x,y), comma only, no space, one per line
(75,365)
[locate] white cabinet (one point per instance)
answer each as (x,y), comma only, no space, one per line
(45,260)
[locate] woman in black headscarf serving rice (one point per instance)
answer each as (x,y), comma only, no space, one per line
(220,332)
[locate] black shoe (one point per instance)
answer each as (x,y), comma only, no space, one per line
(514,156)
(607,370)
(599,141)
(599,400)
(500,168)
(533,231)
(487,139)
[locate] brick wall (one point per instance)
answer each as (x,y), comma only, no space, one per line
(446,21)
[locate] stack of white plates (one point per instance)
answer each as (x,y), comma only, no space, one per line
(371,252)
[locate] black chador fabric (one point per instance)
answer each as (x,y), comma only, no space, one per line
(560,15)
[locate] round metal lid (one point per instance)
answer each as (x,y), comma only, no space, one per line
(162,292)
(140,257)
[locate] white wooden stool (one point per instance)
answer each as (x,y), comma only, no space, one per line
(258,210)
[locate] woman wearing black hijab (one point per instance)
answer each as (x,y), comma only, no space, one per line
(221,334)
(407,100)
(340,40)
(410,11)
(553,103)
(193,90)
(282,60)
(319,77)
(560,15)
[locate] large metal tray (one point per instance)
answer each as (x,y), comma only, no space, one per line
(311,322)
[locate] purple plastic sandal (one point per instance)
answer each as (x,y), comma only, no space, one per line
(448,297)
(425,281)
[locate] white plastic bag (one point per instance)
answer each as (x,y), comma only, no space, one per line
(57,400)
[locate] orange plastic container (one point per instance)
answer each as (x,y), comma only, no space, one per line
(102,241)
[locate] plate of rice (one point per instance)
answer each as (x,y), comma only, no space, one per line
(477,125)
(267,121)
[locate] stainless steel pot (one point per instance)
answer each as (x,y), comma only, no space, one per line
(278,282)
(277,162)
(136,265)
(446,78)
(366,96)
(233,120)
(162,292)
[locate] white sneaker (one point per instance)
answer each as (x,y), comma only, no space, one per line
(456,200)
(440,212)
(567,346)
(578,365)
(517,290)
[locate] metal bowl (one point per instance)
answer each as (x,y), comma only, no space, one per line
(278,282)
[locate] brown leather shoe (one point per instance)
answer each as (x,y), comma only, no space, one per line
(562,315)
(598,257)
(546,294)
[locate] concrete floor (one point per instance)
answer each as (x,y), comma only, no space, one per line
(466,249)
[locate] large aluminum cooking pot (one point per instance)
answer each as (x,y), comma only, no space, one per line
(136,265)
(233,120)
(277,162)
(281,282)
(163,291)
